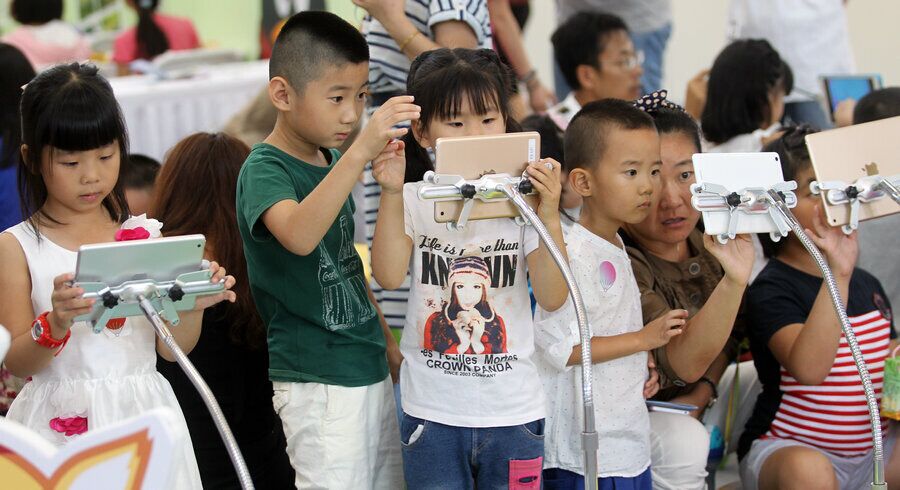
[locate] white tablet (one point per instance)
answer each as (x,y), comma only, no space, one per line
(734,172)
(103,266)
(158,259)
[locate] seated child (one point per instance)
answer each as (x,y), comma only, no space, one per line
(612,153)
(139,179)
(810,426)
(327,341)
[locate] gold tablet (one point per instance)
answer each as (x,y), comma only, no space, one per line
(474,156)
(846,154)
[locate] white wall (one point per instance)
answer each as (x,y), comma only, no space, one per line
(699,34)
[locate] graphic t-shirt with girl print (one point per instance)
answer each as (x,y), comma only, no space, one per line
(468,339)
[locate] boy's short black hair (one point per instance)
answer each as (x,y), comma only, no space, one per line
(584,142)
(36,12)
(140,172)
(580,41)
(794,157)
(740,80)
(878,104)
(312,40)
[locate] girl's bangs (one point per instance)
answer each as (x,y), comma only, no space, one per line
(481,92)
(79,123)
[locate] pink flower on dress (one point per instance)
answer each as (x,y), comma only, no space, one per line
(139,233)
(71,426)
(139,228)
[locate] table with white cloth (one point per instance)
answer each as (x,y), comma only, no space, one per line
(160,113)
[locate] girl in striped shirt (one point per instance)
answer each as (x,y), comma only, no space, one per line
(810,426)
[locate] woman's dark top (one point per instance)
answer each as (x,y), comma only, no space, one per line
(238,377)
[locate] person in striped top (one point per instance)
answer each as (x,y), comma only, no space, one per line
(810,426)
(397,31)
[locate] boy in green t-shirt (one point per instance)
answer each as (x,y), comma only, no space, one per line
(327,342)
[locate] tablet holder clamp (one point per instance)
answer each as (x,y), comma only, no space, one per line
(865,190)
(708,197)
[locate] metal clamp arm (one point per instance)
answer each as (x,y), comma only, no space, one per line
(866,189)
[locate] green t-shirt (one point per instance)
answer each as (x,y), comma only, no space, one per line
(322,328)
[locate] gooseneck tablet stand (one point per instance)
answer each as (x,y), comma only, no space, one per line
(777,201)
(499,187)
(157,301)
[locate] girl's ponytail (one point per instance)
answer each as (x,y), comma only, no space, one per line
(151,40)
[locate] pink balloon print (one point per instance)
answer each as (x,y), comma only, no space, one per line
(607,275)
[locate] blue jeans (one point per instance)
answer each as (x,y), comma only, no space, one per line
(652,43)
(438,456)
(557,479)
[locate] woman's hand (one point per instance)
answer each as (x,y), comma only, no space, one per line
(699,396)
(841,250)
(651,386)
(548,186)
(67,303)
(382,10)
(736,256)
(463,333)
(218,275)
(540,98)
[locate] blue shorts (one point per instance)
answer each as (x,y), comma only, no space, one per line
(557,479)
(442,456)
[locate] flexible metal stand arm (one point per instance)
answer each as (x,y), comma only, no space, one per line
(589,435)
(891,189)
(205,393)
(878,482)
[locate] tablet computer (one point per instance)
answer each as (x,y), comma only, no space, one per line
(474,156)
(838,88)
(111,264)
(670,407)
(846,154)
(736,171)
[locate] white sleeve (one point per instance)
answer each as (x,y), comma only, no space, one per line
(530,239)
(468,11)
(555,334)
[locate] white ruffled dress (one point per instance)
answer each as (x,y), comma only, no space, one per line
(104,378)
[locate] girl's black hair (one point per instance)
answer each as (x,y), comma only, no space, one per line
(740,81)
(151,40)
(36,12)
(440,80)
(16,72)
(669,121)
(71,108)
(794,157)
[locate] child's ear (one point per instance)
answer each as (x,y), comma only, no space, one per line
(280,93)
(580,182)
(421,135)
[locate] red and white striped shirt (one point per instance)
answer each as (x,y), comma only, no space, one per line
(833,415)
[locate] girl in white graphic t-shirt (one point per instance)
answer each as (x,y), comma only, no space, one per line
(478,407)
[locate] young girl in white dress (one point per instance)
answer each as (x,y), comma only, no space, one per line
(74,141)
